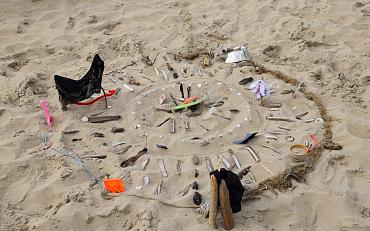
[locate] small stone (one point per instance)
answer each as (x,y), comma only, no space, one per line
(196,173)
(85,119)
(175,75)
(195,185)
(195,113)
(2,72)
(117,129)
(204,143)
(66,173)
(89,219)
(97,134)
(197,198)
(161,146)
(195,160)
(19,29)
(92,19)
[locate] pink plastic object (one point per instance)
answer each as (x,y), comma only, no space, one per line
(314,142)
(48,117)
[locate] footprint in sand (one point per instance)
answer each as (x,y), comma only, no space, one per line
(359,129)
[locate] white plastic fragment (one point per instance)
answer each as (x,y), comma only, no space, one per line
(125,85)
(237,55)
(164,75)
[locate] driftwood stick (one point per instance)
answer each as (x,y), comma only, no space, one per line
(213,203)
(102,119)
(227,213)
(279,118)
(132,159)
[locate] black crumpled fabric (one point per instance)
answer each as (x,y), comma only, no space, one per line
(235,187)
(71,91)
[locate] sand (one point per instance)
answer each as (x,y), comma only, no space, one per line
(324,44)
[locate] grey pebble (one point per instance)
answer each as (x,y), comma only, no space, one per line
(195,160)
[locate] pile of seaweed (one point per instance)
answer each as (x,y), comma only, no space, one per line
(296,171)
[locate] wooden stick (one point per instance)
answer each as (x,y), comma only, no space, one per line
(163,122)
(95,156)
(132,159)
(103,119)
(213,202)
(227,213)
(279,118)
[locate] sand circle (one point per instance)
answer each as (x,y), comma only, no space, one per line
(236,113)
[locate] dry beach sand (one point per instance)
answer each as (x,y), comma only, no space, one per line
(324,44)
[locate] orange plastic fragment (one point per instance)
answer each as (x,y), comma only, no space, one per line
(114,185)
(190,99)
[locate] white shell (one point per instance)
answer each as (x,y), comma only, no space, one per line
(146,180)
(289,138)
(319,120)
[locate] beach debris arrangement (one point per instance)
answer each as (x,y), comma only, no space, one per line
(187,110)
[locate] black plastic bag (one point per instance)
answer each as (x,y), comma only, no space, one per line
(71,91)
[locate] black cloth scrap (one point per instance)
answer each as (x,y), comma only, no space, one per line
(235,187)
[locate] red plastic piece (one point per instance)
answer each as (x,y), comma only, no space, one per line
(110,93)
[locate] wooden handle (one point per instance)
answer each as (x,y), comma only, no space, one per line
(227,213)
(213,202)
